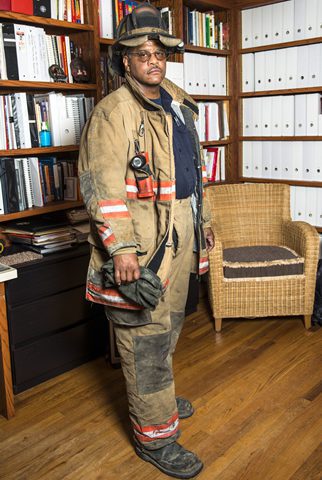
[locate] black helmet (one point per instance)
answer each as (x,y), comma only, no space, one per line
(142,24)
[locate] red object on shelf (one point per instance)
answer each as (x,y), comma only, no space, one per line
(5,5)
(22,6)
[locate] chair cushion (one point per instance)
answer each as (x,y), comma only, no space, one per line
(261,261)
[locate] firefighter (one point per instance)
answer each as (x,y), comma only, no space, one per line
(141,175)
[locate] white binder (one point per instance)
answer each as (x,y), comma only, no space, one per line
(277,36)
(299,19)
(267,159)
(291,68)
(276,116)
(106,18)
(267,24)
(257,26)
(319,20)
(188,73)
(260,71)
(248,72)
(248,159)
(247,117)
(277,160)
(288,115)
(223,75)
(204,75)
(311,208)
(314,65)
(280,68)
(213,75)
(300,115)
(299,210)
(313,108)
(311,14)
(288,21)
(319,208)
(266,116)
(309,152)
(270,75)
(257,115)
(257,155)
(23,59)
(286,160)
(247,28)
(296,165)
(175,73)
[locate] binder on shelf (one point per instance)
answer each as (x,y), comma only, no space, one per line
(314,65)
(288,21)
(276,116)
(319,208)
(296,160)
(299,19)
(257,154)
(270,70)
(257,115)
(311,208)
(260,71)
(277,160)
(309,152)
(266,119)
(300,115)
(247,28)
(42,8)
(248,159)
(280,68)
(302,67)
(313,109)
(288,110)
(277,36)
(267,160)
(267,24)
(291,68)
(9,43)
(257,26)
(311,13)
(248,66)
(106,18)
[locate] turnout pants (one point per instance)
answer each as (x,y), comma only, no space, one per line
(146,349)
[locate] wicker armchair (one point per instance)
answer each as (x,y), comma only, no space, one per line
(250,274)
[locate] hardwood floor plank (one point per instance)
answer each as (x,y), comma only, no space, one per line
(256,388)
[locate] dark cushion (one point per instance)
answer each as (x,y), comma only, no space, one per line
(261,261)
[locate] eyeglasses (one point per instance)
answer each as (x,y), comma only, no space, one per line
(145,56)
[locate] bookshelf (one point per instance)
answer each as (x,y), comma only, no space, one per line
(302,189)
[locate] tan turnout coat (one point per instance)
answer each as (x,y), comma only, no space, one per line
(120,221)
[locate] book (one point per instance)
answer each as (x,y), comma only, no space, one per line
(7,272)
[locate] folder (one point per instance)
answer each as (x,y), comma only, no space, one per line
(288,108)
(277,36)
(300,115)
(313,107)
(266,112)
(248,159)
(260,71)
(9,44)
(288,21)
(299,19)
(248,72)
(267,159)
(247,28)
(267,24)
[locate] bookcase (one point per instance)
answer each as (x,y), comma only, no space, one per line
(281,114)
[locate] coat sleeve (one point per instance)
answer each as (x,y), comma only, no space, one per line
(102,170)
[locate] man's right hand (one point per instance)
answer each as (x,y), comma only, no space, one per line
(126,268)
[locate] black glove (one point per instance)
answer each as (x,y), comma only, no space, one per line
(146,291)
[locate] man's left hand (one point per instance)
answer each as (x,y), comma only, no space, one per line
(210,239)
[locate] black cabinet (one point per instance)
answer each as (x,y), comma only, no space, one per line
(52,328)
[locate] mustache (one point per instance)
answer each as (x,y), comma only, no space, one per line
(154,68)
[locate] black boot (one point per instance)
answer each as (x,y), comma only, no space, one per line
(173,460)
(185,409)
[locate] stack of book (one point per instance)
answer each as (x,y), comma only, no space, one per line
(79,220)
(43,234)
(66,10)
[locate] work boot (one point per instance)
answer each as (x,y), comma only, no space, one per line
(185,409)
(173,460)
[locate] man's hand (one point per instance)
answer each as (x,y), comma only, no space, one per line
(126,268)
(210,239)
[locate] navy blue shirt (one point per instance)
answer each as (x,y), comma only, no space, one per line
(186,175)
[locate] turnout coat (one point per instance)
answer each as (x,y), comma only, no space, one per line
(121,125)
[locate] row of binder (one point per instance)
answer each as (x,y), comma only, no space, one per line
(215,158)
(286,68)
(281,22)
(283,115)
(283,160)
(204,29)
(212,122)
(27,52)
(23,116)
(205,74)
(306,205)
(33,182)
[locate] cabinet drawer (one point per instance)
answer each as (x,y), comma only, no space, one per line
(49,314)
(41,280)
(50,356)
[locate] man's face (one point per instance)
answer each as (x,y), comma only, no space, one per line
(146,71)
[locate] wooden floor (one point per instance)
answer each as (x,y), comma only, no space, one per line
(257,392)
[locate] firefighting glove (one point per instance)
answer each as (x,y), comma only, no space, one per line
(146,291)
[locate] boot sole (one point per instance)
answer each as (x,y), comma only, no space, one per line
(166,470)
(182,417)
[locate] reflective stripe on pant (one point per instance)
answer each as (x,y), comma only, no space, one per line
(146,349)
